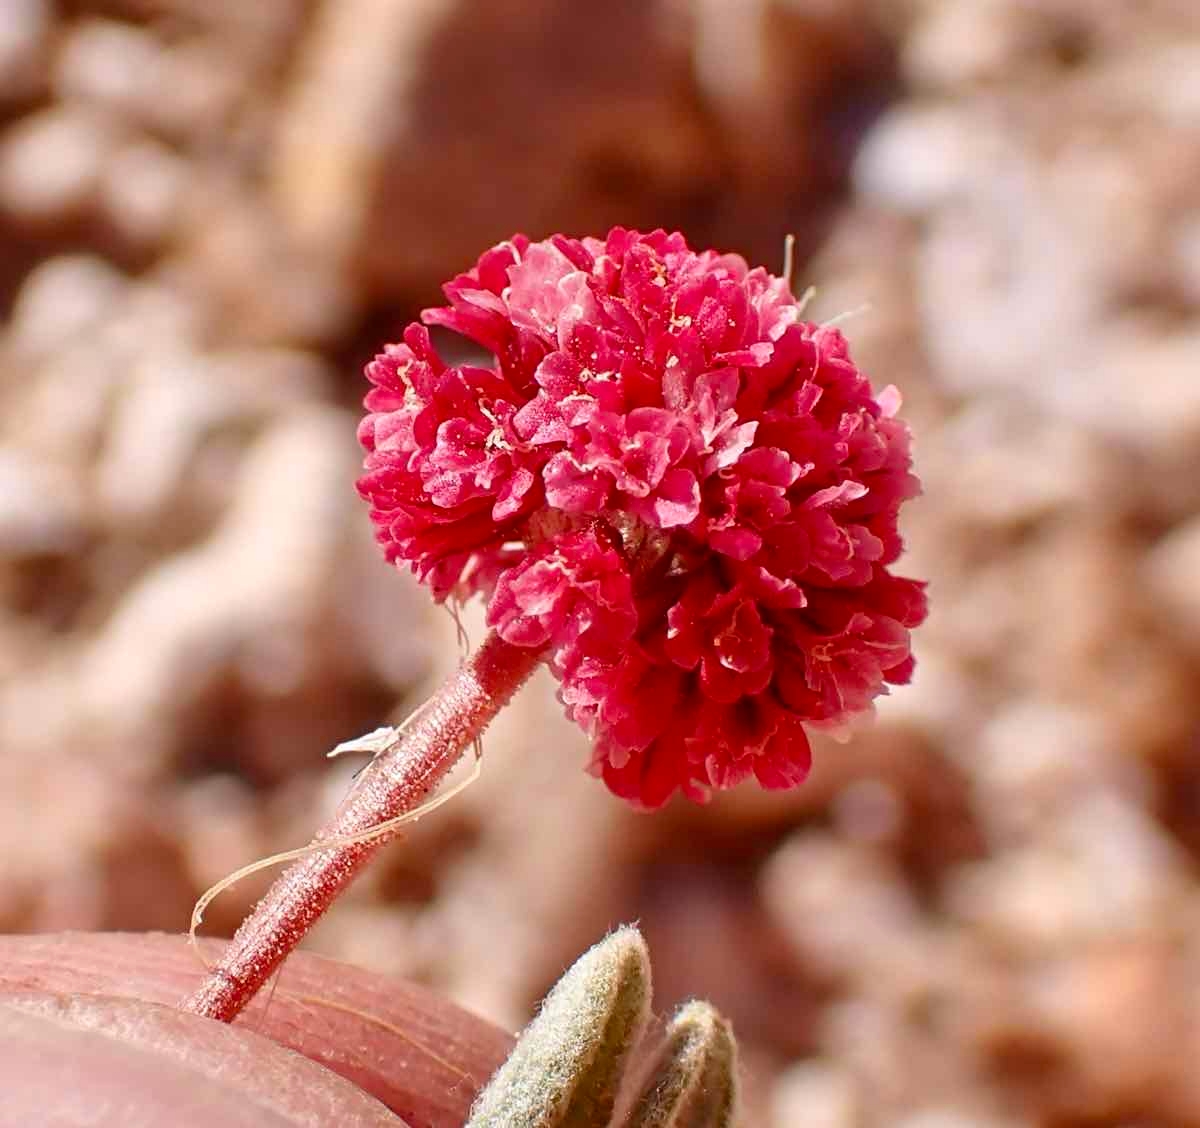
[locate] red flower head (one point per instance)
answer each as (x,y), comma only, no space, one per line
(682,492)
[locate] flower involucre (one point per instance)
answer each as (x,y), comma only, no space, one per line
(681,491)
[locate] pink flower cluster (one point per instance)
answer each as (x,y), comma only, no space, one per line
(679,490)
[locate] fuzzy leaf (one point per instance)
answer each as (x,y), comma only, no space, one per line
(566,1068)
(693,1083)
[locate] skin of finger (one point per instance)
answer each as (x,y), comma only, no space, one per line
(87,1059)
(422,1056)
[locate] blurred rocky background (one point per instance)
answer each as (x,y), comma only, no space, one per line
(984,911)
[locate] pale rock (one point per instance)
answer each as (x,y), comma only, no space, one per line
(51,164)
(937,699)
(1102,871)
(1185,253)
(41,510)
(1088,588)
(106,63)
(958,44)
(1093,186)
(142,192)
(917,158)
(1003,288)
(237,259)
(60,417)
(1035,760)
(171,403)
(1145,391)
(943,1117)
(110,861)
(157,315)
(62,299)
(1113,1012)
(178,91)
(897,1062)
(816,1094)
(109,328)
(999,463)
(353,84)
(979,622)
(1171,571)
(165,409)
(836,902)
(39,711)
(1161,80)
(232,599)
(261,381)
(194,91)
(757,66)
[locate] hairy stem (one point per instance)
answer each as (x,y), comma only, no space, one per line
(395,782)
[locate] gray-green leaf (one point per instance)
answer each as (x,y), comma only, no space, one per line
(693,1083)
(565,1070)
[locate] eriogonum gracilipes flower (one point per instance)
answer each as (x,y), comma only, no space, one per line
(681,492)
(670,488)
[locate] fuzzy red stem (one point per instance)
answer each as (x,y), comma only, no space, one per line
(395,782)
